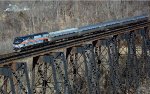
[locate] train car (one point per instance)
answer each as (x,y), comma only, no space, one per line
(111,24)
(63,34)
(23,42)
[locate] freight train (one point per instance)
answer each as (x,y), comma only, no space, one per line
(25,42)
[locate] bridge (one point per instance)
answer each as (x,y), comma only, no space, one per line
(112,62)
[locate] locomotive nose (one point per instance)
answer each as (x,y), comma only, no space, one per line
(15,46)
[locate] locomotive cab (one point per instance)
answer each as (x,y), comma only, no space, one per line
(17,40)
(17,43)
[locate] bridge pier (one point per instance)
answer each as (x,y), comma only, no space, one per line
(84,57)
(17,74)
(52,65)
(8,76)
(91,69)
(60,75)
(42,81)
(35,61)
(132,65)
(145,49)
(113,51)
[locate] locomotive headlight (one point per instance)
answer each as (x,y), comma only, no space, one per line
(16,46)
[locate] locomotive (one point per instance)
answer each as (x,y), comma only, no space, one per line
(23,42)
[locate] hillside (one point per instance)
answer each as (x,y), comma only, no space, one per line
(40,16)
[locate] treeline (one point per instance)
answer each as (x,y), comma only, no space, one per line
(56,15)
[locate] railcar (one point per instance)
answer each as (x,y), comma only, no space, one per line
(63,34)
(111,24)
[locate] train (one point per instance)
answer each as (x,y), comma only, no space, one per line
(28,41)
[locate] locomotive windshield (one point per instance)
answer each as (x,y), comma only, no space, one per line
(18,40)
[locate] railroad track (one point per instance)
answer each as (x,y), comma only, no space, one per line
(7,58)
